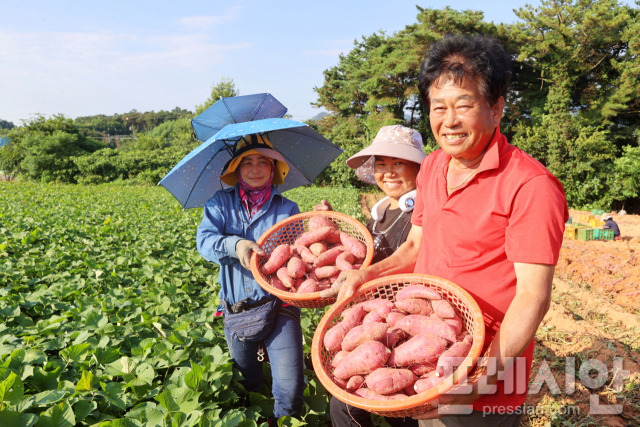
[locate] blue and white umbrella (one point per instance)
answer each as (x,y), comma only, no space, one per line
(196,178)
(236,109)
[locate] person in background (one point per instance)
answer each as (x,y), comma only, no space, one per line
(233,219)
(391,162)
(610,224)
(487,217)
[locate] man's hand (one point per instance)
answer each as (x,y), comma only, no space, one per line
(243,250)
(324,205)
(346,284)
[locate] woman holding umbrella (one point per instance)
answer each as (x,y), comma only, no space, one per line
(392,162)
(233,219)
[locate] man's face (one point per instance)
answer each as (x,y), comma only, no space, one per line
(461,120)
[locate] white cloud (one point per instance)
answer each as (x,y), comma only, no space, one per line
(205,22)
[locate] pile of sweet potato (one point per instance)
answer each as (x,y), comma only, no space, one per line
(392,350)
(315,259)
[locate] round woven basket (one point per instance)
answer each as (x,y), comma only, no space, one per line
(387,287)
(286,232)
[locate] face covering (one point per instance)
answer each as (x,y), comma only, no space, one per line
(253,198)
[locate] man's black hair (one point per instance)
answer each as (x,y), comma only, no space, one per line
(464,57)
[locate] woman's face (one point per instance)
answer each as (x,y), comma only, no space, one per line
(255,170)
(395,177)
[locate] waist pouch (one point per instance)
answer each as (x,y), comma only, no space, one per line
(255,322)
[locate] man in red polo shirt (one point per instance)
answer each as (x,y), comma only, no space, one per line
(488,217)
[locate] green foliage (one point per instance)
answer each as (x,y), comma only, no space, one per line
(107,313)
(225,88)
(43,149)
(5,124)
(142,166)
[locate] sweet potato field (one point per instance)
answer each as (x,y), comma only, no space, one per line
(106,317)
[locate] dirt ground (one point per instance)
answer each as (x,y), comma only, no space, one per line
(594,317)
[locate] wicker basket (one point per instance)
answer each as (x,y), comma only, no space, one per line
(287,231)
(387,287)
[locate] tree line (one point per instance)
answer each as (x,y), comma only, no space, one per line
(574,104)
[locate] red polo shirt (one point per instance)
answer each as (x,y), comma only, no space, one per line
(512,210)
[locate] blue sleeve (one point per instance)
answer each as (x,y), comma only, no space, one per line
(211,241)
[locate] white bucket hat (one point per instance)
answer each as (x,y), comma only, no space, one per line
(391,141)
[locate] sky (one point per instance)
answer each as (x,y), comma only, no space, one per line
(83,58)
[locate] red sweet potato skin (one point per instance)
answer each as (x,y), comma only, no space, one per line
(389,380)
(355,246)
(327,258)
(421,348)
(363,333)
(308,286)
(370,394)
(326,271)
(453,356)
(414,324)
(415,306)
(295,267)
(443,309)
(355,382)
(427,382)
(309,237)
(278,257)
(333,337)
(284,277)
(320,221)
(363,360)
(418,291)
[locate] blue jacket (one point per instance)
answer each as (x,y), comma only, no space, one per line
(224,222)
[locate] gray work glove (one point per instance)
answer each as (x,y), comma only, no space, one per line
(243,251)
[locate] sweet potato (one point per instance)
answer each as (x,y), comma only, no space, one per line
(341,383)
(373,317)
(414,324)
(333,337)
(415,306)
(355,246)
(277,283)
(421,348)
(327,258)
(284,277)
(381,305)
(295,267)
(393,317)
(456,323)
(389,380)
(305,253)
(443,309)
(453,357)
(333,236)
(364,359)
(344,261)
(393,337)
(318,248)
(429,381)
(337,357)
(309,237)
(355,382)
(278,257)
(370,394)
(422,369)
(417,291)
(320,221)
(308,286)
(363,333)
(326,271)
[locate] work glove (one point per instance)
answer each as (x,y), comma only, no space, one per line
(243,251)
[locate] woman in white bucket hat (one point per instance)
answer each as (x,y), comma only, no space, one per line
(391,162)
